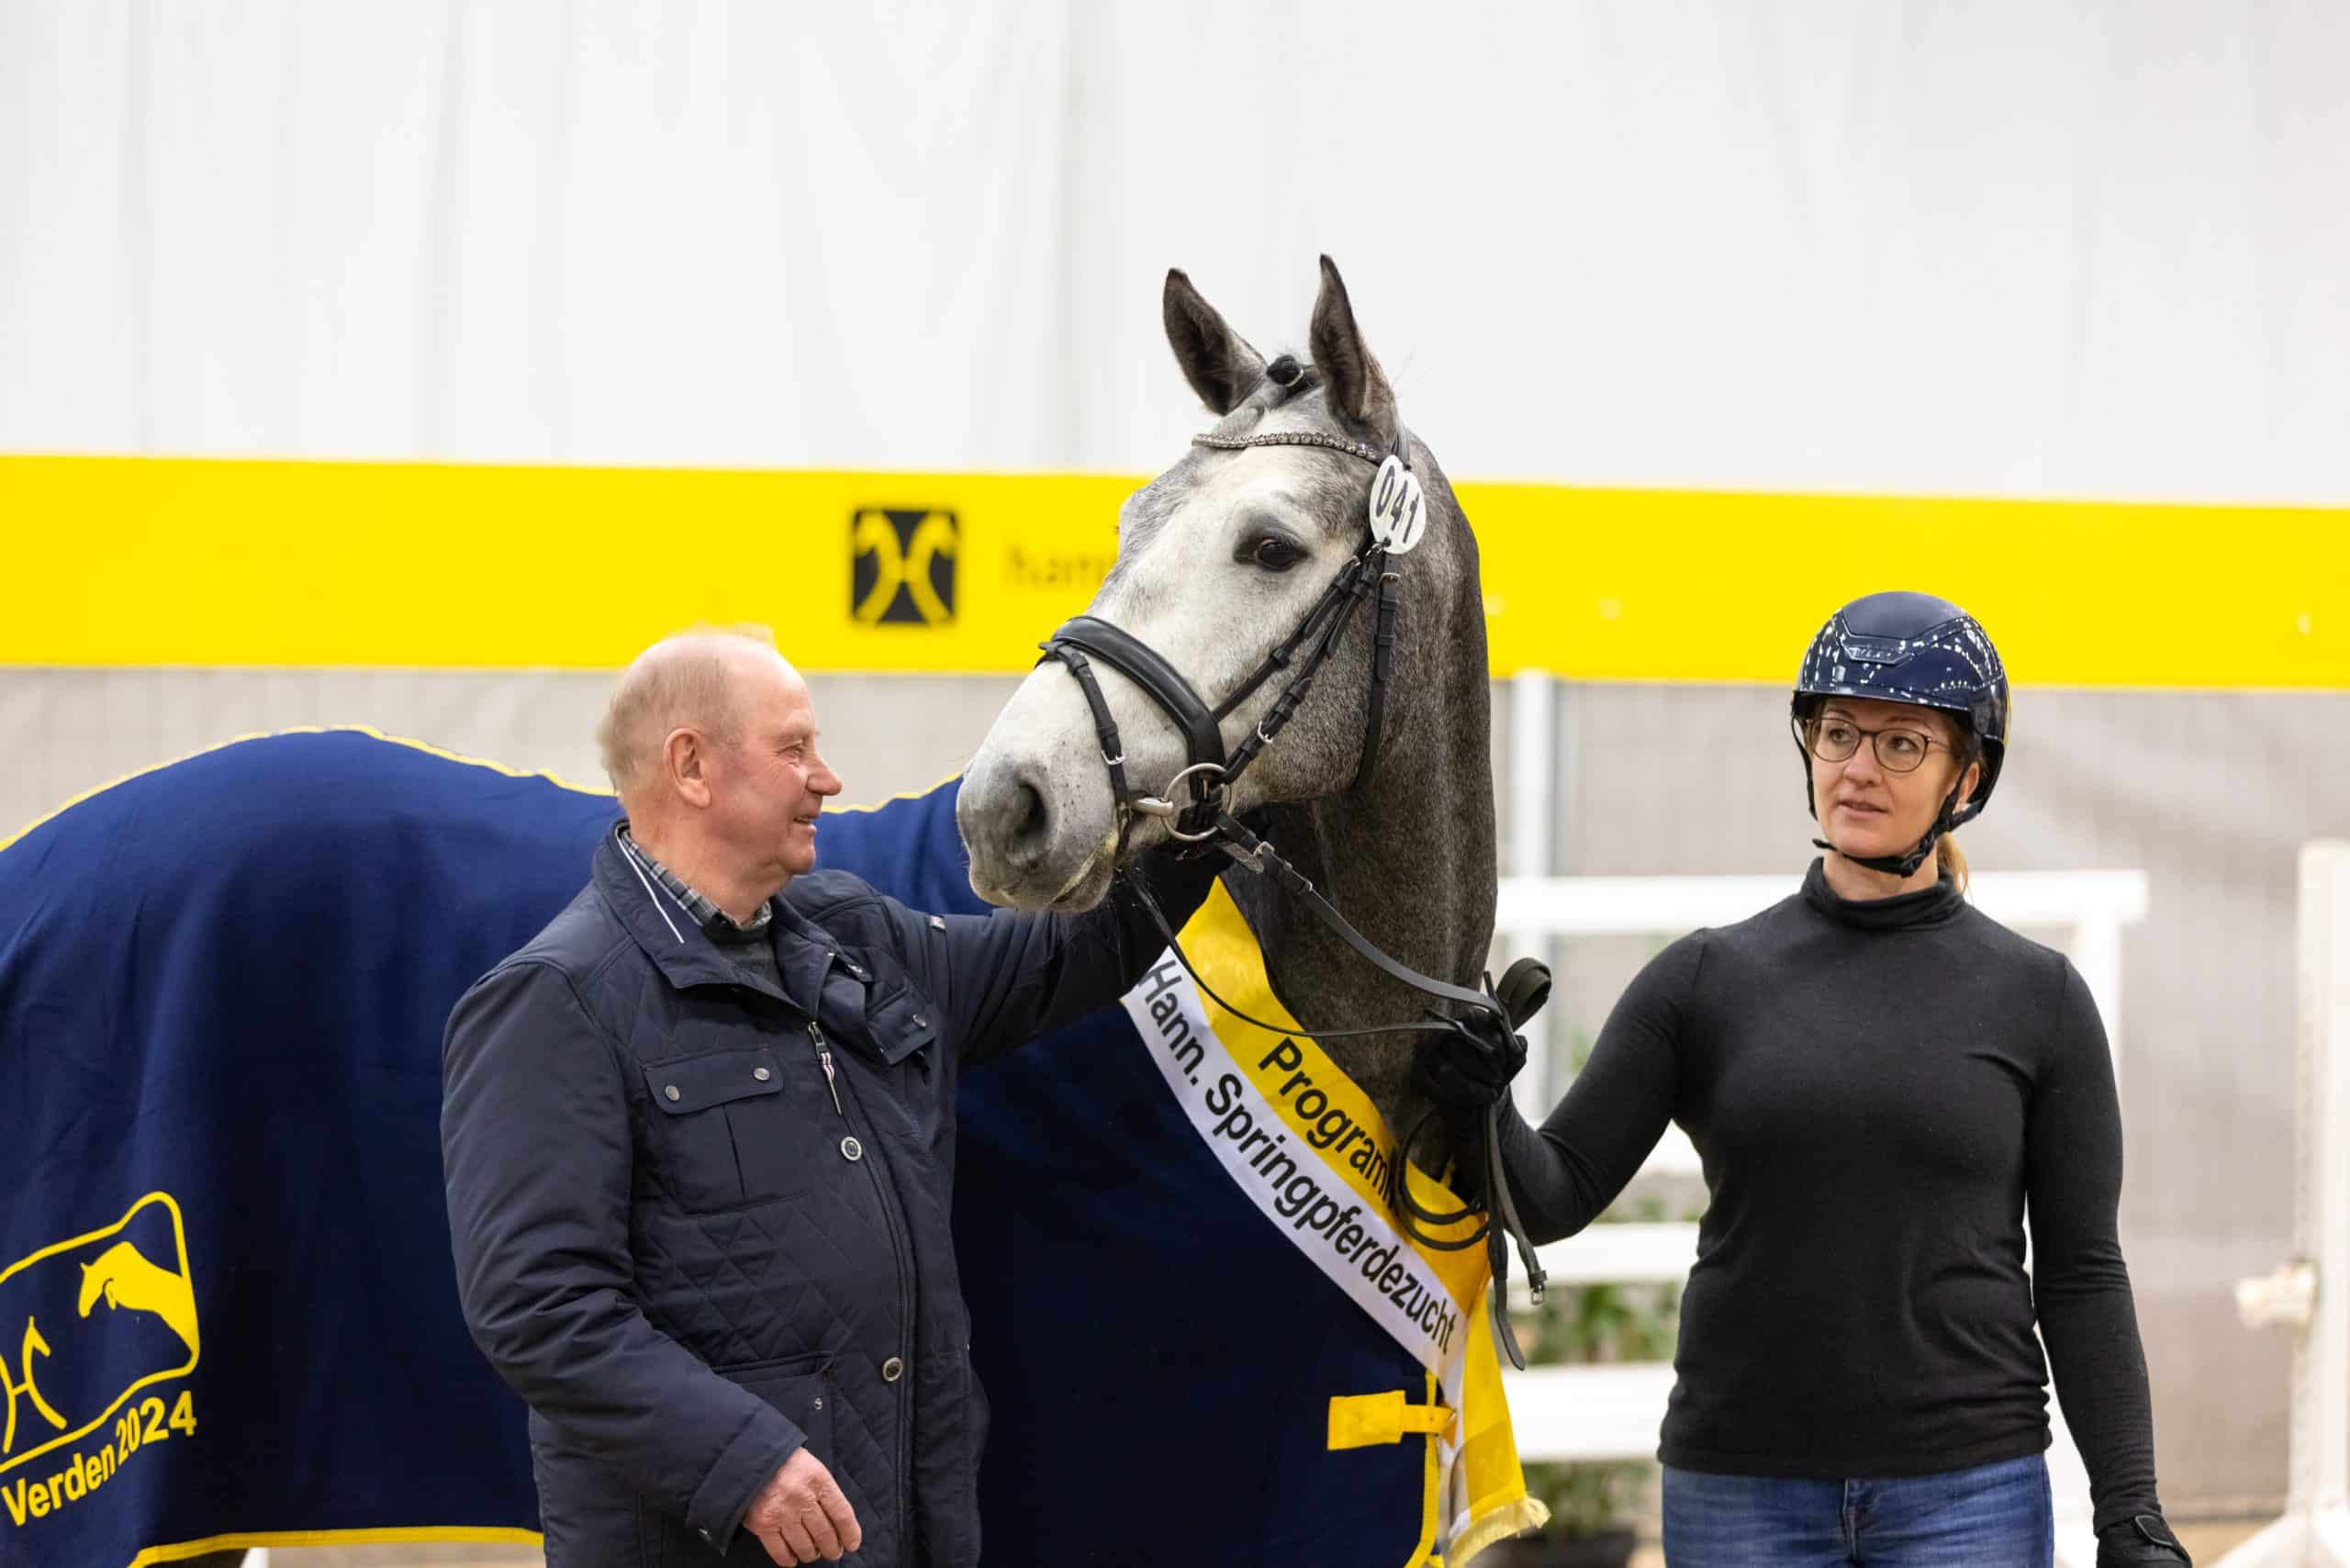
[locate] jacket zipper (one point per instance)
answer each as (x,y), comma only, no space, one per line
(900,1251)
(825,1060)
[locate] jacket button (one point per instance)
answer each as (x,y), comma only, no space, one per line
(892,1370)
(707,1536)
(817,1403)
(852,1149)
(762,1074)
(921,1021)
(670,1090)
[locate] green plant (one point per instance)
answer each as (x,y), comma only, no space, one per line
(1588,1325)
(1587,1499)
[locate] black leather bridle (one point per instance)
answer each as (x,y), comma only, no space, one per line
(1205,819)
(1209,771)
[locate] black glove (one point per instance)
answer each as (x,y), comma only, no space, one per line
(2141,1538)
(1467,1071)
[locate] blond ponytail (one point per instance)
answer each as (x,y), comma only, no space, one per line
(1954,860)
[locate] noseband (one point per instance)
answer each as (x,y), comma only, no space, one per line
(1397,515)
(1208,771)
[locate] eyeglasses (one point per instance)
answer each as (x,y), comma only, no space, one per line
(1897,751)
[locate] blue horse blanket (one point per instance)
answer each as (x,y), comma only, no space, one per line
(227,1308)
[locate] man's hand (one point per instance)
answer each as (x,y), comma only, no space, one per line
(2143,1539)
(802,1515)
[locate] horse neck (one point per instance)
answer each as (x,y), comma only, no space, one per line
(1408,860)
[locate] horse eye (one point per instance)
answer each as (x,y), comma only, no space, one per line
(1275,553)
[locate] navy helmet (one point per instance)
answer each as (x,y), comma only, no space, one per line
(1924,651)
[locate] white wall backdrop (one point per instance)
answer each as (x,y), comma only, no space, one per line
(2040,247)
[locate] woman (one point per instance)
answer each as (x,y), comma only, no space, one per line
(1882,1082)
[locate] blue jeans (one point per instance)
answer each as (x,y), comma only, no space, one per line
(1995,1516)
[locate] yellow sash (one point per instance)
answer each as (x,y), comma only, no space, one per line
(1307,1146)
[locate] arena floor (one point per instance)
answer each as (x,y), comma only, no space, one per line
(2205,1541)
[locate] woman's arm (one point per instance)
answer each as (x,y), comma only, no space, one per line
(1565,1172)
(2080,1286)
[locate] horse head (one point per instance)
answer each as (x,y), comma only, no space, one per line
(1222,559)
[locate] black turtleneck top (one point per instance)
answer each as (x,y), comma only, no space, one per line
(1878,1089)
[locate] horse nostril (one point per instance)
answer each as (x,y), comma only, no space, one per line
(1031,819)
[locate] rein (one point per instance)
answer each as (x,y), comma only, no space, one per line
(1397,517)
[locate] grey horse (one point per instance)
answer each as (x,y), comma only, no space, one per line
(1219,558)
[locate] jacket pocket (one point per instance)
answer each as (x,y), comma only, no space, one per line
(706,1117)
(902,1023)
(799,1387)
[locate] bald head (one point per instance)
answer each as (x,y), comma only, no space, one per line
(696,680)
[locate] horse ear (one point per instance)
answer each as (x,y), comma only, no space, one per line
(1358,387)
(1216,361)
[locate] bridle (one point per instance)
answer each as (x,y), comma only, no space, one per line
(1396,516)
(1209,772)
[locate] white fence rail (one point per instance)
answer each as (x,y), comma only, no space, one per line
(1614,1412)
(2311,1295)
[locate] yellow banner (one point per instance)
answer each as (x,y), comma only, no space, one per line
(137,561)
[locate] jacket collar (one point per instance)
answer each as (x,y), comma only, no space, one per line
(804,953)
(686,958)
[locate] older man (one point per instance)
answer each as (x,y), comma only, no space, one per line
(698,1139)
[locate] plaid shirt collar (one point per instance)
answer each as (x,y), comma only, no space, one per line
(714,922)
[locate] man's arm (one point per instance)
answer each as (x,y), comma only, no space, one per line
(1006,978)
(535,1149)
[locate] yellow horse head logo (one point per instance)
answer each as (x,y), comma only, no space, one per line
(126,1280)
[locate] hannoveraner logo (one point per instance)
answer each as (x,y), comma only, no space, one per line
(85,1325)
(903,566)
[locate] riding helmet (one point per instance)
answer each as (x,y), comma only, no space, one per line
(1924,651)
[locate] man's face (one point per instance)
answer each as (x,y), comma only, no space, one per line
(768,787)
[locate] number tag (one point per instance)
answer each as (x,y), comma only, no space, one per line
(1399,512)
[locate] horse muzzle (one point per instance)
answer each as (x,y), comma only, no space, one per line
(1039,826)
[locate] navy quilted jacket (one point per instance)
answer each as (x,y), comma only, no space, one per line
(691,1250)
